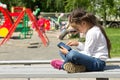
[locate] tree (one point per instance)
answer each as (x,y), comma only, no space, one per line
(55,5)
(60,5)
(103,8)
(11,3)
(72,4)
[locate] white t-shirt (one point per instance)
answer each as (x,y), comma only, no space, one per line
(95,44)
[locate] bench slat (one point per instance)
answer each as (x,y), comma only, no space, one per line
(25,62)
(114,60)
(49,72)
(42,75)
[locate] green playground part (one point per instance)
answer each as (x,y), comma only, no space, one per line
(26,32)
(24,29)
(19,27)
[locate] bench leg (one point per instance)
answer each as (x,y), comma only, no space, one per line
(28,78)
(102,78)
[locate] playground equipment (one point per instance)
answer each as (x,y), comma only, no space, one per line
(9,26)
(6,25)
(23,28)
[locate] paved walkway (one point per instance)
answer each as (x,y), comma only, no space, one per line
(20,49)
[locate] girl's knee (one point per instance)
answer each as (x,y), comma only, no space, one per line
(71,55)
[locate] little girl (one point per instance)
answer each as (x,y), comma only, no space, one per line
(93,53)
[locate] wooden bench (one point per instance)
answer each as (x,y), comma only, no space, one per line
(44,70)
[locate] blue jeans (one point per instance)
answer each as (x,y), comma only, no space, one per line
(91,63)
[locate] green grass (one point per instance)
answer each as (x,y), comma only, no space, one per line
(114,36)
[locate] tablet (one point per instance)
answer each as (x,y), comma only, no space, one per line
(64,45)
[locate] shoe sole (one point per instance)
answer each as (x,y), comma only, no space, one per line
(73,68)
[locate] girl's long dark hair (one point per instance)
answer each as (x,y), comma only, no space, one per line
(79,15)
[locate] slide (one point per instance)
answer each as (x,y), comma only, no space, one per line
(7,22)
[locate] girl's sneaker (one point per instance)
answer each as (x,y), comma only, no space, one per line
(73,68)
(57,64)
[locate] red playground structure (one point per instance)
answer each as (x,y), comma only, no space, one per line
(9,26)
